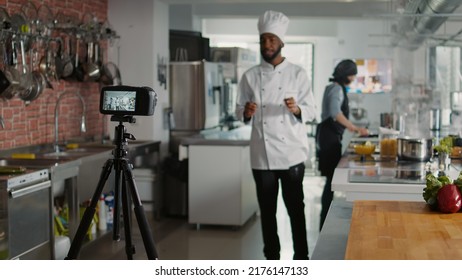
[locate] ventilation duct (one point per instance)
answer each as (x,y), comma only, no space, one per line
(430,15)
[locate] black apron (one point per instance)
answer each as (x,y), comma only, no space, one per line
(329,135)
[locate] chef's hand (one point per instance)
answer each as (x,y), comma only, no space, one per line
(363,131)
(250,109)
(292,106)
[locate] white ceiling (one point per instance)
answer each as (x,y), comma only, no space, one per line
(292,8)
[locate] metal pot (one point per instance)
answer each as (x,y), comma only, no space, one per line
(359,113)
(414,149)
(392,120)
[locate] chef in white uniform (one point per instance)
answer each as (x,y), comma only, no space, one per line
(276,98)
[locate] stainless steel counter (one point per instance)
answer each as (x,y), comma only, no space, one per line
(333,238)
(68,174)
(236,137)
(375,179)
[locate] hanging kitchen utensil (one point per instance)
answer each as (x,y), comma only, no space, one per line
(65,21)
(89,22)
(29,11)
(4,82)
(11,72)
(91,68)
(5,22)
(107,31)
(78,73)
(59,64)
(68,67)
(44,65)
(96,62)
(20,26)
(50,55)
(26,75)
(38,83)
(110,74)
(44,20)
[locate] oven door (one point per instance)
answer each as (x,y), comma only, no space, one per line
(29,218)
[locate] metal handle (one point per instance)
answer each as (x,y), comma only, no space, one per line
(29,190)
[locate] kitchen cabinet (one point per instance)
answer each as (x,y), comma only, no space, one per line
(221,186)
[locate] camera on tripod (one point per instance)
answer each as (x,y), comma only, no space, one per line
(127,101)
(122,102)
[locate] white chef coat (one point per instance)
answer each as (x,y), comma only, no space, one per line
(279,139)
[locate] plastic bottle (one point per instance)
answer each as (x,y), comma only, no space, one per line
(102,212)
(110,211)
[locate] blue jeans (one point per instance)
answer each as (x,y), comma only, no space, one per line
(267,182)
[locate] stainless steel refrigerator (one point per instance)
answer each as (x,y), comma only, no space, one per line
(195,92)
(195,98)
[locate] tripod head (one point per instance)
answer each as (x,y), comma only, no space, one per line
(121,136)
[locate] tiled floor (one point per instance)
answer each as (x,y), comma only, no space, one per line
(175,239)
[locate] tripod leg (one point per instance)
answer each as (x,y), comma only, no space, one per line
(129,247)
(117,192)
(145,230)
(89,212)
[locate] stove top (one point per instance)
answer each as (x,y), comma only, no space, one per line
(386,175)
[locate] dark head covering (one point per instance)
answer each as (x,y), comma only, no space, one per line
(344,69)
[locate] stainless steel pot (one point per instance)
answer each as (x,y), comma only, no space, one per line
(359,113)
(414,149)
(392,120)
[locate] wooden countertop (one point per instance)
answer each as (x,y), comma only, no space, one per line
(403,230)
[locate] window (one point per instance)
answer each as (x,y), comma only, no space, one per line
(374,76)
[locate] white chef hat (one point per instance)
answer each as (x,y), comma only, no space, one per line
(273,22)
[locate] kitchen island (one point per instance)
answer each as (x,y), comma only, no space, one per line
(374,179)
(221,187)
(369,179)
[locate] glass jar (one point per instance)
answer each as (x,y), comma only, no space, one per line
(388,146)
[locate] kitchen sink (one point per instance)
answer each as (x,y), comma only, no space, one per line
(73,153)
(45,154)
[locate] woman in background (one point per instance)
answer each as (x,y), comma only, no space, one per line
(334,120)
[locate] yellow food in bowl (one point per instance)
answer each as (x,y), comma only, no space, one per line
(364,149)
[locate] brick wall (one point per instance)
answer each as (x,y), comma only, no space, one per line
(34,123)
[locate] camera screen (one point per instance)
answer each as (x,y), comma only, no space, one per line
(119,100)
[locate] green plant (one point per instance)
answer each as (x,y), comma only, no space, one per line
(445,145)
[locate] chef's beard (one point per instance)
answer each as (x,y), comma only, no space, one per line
(270,58)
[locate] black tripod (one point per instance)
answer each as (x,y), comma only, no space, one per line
(122,166)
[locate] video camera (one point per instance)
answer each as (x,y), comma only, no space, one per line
(127,101)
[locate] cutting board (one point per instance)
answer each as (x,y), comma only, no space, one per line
(402,230)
